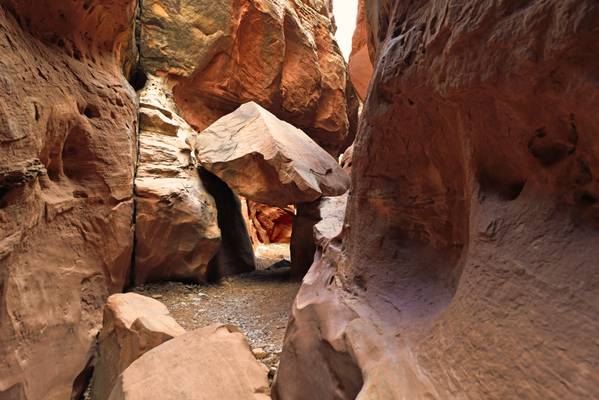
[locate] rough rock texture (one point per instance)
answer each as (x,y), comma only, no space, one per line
(67,155)
(278,53)
(332,217)
(268,224)
(469,266)
(207,364)
(268,160)
(176,231)
(132,325)
(360,65)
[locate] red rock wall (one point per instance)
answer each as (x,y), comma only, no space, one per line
(67,153)
(360,65)
(469,265)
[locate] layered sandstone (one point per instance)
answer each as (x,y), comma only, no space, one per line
(280,54)
(210,363)
(468,268)
(176,227)
(67,156)
(132,325)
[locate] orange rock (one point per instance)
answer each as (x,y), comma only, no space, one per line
(132,325)
(210,363)
(360,65)
(269,224)
(279,54)
(469,265)
(67,129)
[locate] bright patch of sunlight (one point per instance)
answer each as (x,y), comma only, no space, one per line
(346,12)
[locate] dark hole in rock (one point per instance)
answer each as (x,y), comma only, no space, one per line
(92,111)
(138,78)
(587,199)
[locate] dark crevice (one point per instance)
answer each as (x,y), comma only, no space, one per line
(236,254)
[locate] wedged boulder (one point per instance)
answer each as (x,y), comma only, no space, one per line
(210,363)
(268,160)
(468,269)
(67,155)
(132,325)
(177,232)
(279,53)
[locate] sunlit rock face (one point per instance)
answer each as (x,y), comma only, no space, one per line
(360,65)
(67,155)
(280,54)
(468,267)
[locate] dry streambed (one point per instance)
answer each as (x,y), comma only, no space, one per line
(258,302)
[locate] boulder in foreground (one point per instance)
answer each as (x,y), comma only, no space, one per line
(268,160)
(210,363)
(133,324)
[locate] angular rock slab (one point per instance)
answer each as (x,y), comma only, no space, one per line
(268,160)
(210,363)
(133,324)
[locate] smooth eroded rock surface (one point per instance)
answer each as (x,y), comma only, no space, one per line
(177,231)
(67,156)
(132,325)
(268,160)
(469,264)
(210,363)
(360,65)
(279,53)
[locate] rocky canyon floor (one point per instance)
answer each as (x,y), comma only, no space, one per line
(257,302)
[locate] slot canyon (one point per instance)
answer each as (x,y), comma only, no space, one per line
(299,199)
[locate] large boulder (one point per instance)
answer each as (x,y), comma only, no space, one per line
(268,160)
(132,325)
(278,53)
(210,363)
(176,231)
(468,269)
(67,155)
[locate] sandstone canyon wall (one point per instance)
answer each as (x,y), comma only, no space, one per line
(67,158)
(279,54)
(360,64)
(468,268)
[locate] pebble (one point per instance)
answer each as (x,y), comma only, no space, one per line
(259,353)
(157,296)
